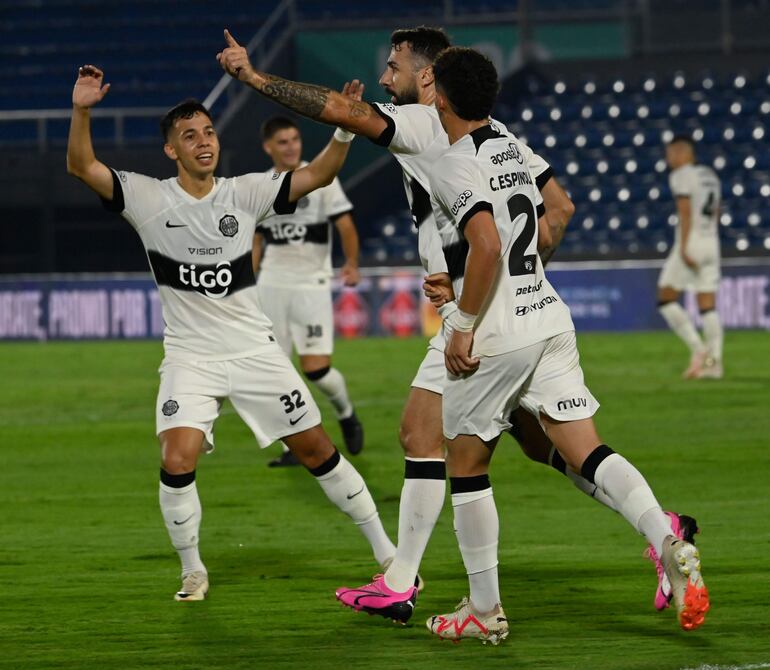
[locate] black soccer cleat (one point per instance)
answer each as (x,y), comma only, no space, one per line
(286,459)
(353,434)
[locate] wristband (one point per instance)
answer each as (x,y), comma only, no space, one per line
(342,135)
(462,321)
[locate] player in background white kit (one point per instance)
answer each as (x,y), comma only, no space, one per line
(511,342)
(410,128)
(693,263)
(292,255)
(198,232)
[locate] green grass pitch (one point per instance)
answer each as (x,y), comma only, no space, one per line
(87,572)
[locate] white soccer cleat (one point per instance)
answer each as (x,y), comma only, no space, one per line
(681,562)
(697,361)
(712,369)
(465,622)
(195,586)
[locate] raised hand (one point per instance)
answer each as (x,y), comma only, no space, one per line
(234,59)
(438,289)
(88,90)
(353,90)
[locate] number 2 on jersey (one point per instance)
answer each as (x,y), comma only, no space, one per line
(519,261)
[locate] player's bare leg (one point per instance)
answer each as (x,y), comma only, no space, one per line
(181,507)
(393,595)
(477,528)
(329,380)
(713,336)
(343,485)
(679,321)
(583,450)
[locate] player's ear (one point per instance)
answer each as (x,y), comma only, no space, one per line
(266,149)
(426,76)
(169,150)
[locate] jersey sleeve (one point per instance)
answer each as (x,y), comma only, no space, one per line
(265,193)
(458,189)
(336,202)
(539,169)
(136,197)
(681,183)
(411,128)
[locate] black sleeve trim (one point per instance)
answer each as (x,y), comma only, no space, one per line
(333,218)
(118,202)
(543,178)
(540,210)
(386,137)
(282,205)
(480,206)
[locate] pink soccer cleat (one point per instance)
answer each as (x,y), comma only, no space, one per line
(697,361)
(377,598)
(684,528)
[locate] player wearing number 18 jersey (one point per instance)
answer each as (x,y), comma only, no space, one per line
(512,342)
(197,230)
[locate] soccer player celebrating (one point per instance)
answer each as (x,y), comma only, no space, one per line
(410,128)
(512,342)
(198,231)
(295,271)
(694,259)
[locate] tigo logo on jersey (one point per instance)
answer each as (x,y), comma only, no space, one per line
(291,233)
(217,278)
(461,201)
(228,225)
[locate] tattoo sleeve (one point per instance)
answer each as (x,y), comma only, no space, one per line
(305,99)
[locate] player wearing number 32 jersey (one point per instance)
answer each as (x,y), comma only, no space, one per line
(511,342)
(197,230)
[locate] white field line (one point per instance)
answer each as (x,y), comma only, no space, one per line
(751,666)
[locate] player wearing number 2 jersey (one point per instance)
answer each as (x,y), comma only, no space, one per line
(693,263)
(511,342)
(197,230)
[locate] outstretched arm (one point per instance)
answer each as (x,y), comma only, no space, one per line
(349,240)
(315,102)
(81,161)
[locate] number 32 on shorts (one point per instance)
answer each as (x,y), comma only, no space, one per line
(292,401)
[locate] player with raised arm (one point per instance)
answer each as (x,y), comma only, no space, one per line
(292,253)
(198,232)
(409,127)
(512,342)
(693,263)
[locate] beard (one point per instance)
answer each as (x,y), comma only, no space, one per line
(406,97)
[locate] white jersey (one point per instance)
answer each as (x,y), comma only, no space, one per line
(415,137)
(200,254)
(298,247)
(701,185)
(488,170)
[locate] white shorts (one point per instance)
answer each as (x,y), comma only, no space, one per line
(265,390)
(543,378)
(302,317)
(704,278)
(432,373)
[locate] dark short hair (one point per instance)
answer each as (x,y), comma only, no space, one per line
(276,123)
(184,110)
(469,81)
(424,41)
(682,139)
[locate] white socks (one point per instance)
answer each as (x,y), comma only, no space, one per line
(581,483)
(712,333)
(630,493)
(478,529)
(346,488)
(332,384)
(422,498)
(181,509)
(679,321)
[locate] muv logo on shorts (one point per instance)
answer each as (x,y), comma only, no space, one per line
(213,281)
(571,403)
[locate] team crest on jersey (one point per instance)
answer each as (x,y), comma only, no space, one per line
(228,225)
(170,407)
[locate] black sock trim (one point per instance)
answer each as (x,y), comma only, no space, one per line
(703,312)
(315,375)
(588,470)
(469,484)
(177,481)
(424,469)
(558,463)
(327,466)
